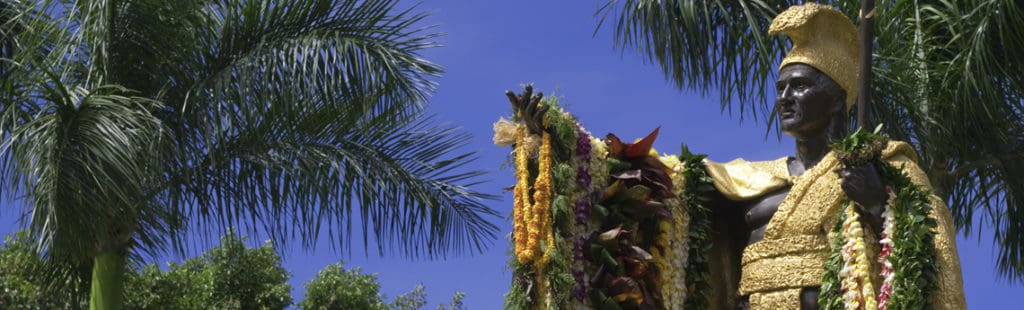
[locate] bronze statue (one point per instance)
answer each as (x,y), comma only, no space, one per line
(773,218)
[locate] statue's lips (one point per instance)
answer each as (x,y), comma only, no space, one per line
(787,114)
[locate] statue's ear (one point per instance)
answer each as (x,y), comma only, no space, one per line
(839,104)
(837,93)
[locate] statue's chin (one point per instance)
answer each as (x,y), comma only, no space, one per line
(789,125)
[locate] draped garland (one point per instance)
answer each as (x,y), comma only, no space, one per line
(907,257)
(598,223)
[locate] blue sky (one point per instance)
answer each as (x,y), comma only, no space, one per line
(493,46)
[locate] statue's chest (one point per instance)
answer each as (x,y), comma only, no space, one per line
(760,211)
(807,208)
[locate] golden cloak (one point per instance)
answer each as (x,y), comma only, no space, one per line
(795,245)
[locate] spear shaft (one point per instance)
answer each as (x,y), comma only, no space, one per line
(867,33)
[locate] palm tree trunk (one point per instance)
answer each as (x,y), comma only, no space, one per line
(107,282)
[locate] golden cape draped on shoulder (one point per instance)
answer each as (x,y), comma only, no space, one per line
(795,245)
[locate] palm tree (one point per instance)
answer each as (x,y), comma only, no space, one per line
(949,77)
(123,121)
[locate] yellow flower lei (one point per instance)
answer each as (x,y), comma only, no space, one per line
(858,292)
(542,203)
(521,209)
(541,222)
(531,220)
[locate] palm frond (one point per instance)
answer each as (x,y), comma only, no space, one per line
(67,157)
(285,115)
(342,50)
(706,46)
(279,107)
(300,166)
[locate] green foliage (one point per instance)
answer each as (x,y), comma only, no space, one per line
(121,121)
(415,299)
(698,185)
(860,147)
(948,75)
(913,257)
(29,281)
(518,295)
(229,276)
(455,304)
(334,287)
(337,288)
(831,294)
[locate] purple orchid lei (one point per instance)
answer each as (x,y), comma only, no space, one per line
(582,210)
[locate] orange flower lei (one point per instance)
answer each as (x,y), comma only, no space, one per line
(521,209)
(542,202)
(531,220)
(858,290)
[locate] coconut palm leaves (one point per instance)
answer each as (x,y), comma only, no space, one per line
(124,120)
(948,76)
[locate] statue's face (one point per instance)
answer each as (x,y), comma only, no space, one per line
(806,100)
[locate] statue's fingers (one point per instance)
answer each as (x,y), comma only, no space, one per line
(529,106)
(512,98)
(527,92)
(535,102)
(539,115)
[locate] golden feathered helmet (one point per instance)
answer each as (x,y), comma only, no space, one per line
(823,38)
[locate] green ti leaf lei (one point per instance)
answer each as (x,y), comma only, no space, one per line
(913,255)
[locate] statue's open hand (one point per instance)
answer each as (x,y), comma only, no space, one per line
(529,108)
(864,186)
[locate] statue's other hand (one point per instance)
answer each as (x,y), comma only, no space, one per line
(863,185)
(529,109)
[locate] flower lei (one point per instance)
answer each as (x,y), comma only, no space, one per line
(522,210)
(856,282)
(887,247)
(582,211)
(907,254)
(582,241)
(542,213)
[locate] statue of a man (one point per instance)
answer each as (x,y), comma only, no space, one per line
(774,219)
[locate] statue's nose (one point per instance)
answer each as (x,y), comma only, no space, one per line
(786,93)
(784,102)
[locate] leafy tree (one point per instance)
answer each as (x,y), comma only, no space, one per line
(334,287)
(28,281)
(337,288)
(456,303)
(412,300)
(948,75)
(229,276)
(123,120)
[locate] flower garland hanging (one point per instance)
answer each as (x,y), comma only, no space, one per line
(581,211)
(670,251)
(858,293)
(544,196)
(907,256)
(601,223)
(541,222)
(887,246)
(522,210)
(696,183)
